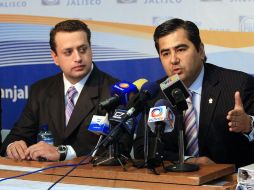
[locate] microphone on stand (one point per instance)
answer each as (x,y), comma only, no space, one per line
(100,126)
(147,92)
(161,120)
(176,92)
(121,93)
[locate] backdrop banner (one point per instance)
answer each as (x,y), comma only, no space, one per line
(122,39)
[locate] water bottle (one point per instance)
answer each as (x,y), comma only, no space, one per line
(45,135)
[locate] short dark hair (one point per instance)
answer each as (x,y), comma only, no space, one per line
(68,26)
(172,25)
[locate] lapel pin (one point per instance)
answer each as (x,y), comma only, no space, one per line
(210,100)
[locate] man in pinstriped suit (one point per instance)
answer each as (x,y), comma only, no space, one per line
(223,98)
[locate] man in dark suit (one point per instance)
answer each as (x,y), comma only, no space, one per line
(71,51)
(223,99)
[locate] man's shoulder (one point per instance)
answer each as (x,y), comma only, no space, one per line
(45,83)
(225,73)
(103,76)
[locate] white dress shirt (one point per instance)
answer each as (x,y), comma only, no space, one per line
(79,86)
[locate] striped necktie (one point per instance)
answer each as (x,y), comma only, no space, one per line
(71,93)
(191,129)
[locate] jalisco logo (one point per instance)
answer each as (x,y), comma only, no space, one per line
(83,2)
(156,112)
(241,1)
(13,4)
(162,1)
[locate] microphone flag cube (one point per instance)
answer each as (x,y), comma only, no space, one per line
(99,125)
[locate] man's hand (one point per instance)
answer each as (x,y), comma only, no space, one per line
(42,150)
(16,150)
(200,161)
(239,121)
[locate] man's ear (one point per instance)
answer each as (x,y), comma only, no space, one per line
(202,51)
(54,57)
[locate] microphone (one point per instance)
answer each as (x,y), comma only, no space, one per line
(147,92)
(121,93)
(121,123)
(161,117)
(175,91)
(100,126)
(139,83)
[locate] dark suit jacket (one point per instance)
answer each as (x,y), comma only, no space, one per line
(215,140)
(46,105)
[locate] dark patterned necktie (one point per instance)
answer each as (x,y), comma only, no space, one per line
(191,129)
(71,93)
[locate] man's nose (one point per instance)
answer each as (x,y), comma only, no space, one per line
(174,58)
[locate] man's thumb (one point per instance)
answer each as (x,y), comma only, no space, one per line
(238,101)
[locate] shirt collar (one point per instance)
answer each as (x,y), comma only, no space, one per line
(79,85)
(196,86)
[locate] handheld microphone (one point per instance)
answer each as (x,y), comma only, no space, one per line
(175,91)
(121,93)
(147,92)
(161,116)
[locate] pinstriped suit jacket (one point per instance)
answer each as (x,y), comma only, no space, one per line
(215,140)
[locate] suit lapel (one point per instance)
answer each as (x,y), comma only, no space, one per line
(211,90)
(56,105)
(85,103)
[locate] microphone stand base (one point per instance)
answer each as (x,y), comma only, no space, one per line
(111,161)
(182,167)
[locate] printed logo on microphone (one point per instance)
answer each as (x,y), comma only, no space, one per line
(124,85)
(119,115)
(157,112)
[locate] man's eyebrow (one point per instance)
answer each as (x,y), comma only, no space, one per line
(164,50)
(176,47)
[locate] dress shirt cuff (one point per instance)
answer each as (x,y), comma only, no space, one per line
(188,157)
(70,153)
(250,136)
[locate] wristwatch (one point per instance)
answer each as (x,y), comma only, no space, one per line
(251,123)
(62,149)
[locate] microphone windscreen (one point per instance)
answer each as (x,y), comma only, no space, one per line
(139,83)
(162,102)
(150,88)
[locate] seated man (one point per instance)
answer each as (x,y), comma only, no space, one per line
(221,130)
(65,102)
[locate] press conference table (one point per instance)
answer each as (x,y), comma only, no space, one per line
(214,176)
